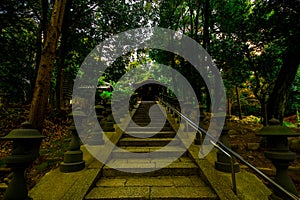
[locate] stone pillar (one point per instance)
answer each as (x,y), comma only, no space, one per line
(223,162)
(26,143)
(96,136)
(107,123)
(73,158)
(198,139)
(279,153)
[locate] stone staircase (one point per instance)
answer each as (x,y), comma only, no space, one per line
(133,177)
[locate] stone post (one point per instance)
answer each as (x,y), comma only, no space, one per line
(279,153)
(73,158)
(223,162)
(26,143)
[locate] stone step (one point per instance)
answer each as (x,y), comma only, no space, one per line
(150,167)
(165,153)
(148,129)
(144,113)
(162,134)
(146,123)
(147,120)
(153,171)
(138,142)
(161,187)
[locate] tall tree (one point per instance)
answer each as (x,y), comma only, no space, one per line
(42,85)
(282,23)
(18,28)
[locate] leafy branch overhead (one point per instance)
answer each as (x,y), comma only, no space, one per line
(253,43)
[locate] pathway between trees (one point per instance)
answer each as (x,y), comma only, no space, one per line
(179,180)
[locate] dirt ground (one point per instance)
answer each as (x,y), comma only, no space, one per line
(240,135)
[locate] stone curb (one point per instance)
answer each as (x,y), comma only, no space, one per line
(57,185)
(249,187)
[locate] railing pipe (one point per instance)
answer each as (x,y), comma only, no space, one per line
(233,153)
(232,167)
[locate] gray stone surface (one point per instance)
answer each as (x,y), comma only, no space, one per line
(249,187)
(180,180)
(57,185)
(161,187)
(181,193)
(119,193)
(112,182)
(149,181)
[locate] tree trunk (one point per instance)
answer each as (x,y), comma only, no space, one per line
(173,74)
(206,44)
(59,104)
(42,33)
(208,100)
(285,78)
(229,102)
(264,115)
(191,9)
(206,26)
(238,101)
(59,83)
(42,85)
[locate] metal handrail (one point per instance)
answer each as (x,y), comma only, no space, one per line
(231,165)
(220,145)
(190,122)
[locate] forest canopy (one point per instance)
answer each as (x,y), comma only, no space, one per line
(254,43)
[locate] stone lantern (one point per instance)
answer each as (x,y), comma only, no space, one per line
(107,123)
(73,158)
(198,139)
(26,144)
(99,112)
(279,153)
(96,136)
(186,110)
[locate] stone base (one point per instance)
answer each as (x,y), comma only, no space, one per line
(73,156)
(108,129)
(72,167)
(226,167)
(96,141)
(107,126)
(72,161)
(197,140)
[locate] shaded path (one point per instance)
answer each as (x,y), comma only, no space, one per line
(179,180)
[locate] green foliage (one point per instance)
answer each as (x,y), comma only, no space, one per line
(289,124)
(105,95)
(293,101)
(248,40)
(17,56)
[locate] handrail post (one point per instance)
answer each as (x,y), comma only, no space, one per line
(237,156)
(232,167)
